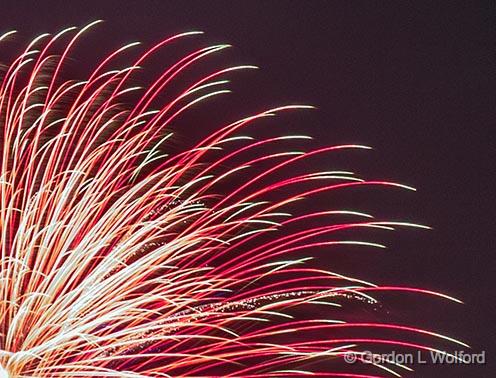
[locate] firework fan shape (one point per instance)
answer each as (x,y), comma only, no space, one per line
(119,260)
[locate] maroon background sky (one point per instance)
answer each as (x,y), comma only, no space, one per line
(415,80)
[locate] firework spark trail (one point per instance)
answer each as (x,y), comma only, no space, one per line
(120,261)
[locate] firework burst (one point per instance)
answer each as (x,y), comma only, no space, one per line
(118,260)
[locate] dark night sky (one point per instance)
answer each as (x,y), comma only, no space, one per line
(415,80)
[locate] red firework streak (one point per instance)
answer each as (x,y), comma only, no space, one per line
(118,260)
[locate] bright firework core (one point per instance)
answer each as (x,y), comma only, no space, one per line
(3,373)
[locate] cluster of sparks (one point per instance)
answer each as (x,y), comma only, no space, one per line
(118,260)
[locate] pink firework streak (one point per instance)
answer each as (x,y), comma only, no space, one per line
(118,260)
